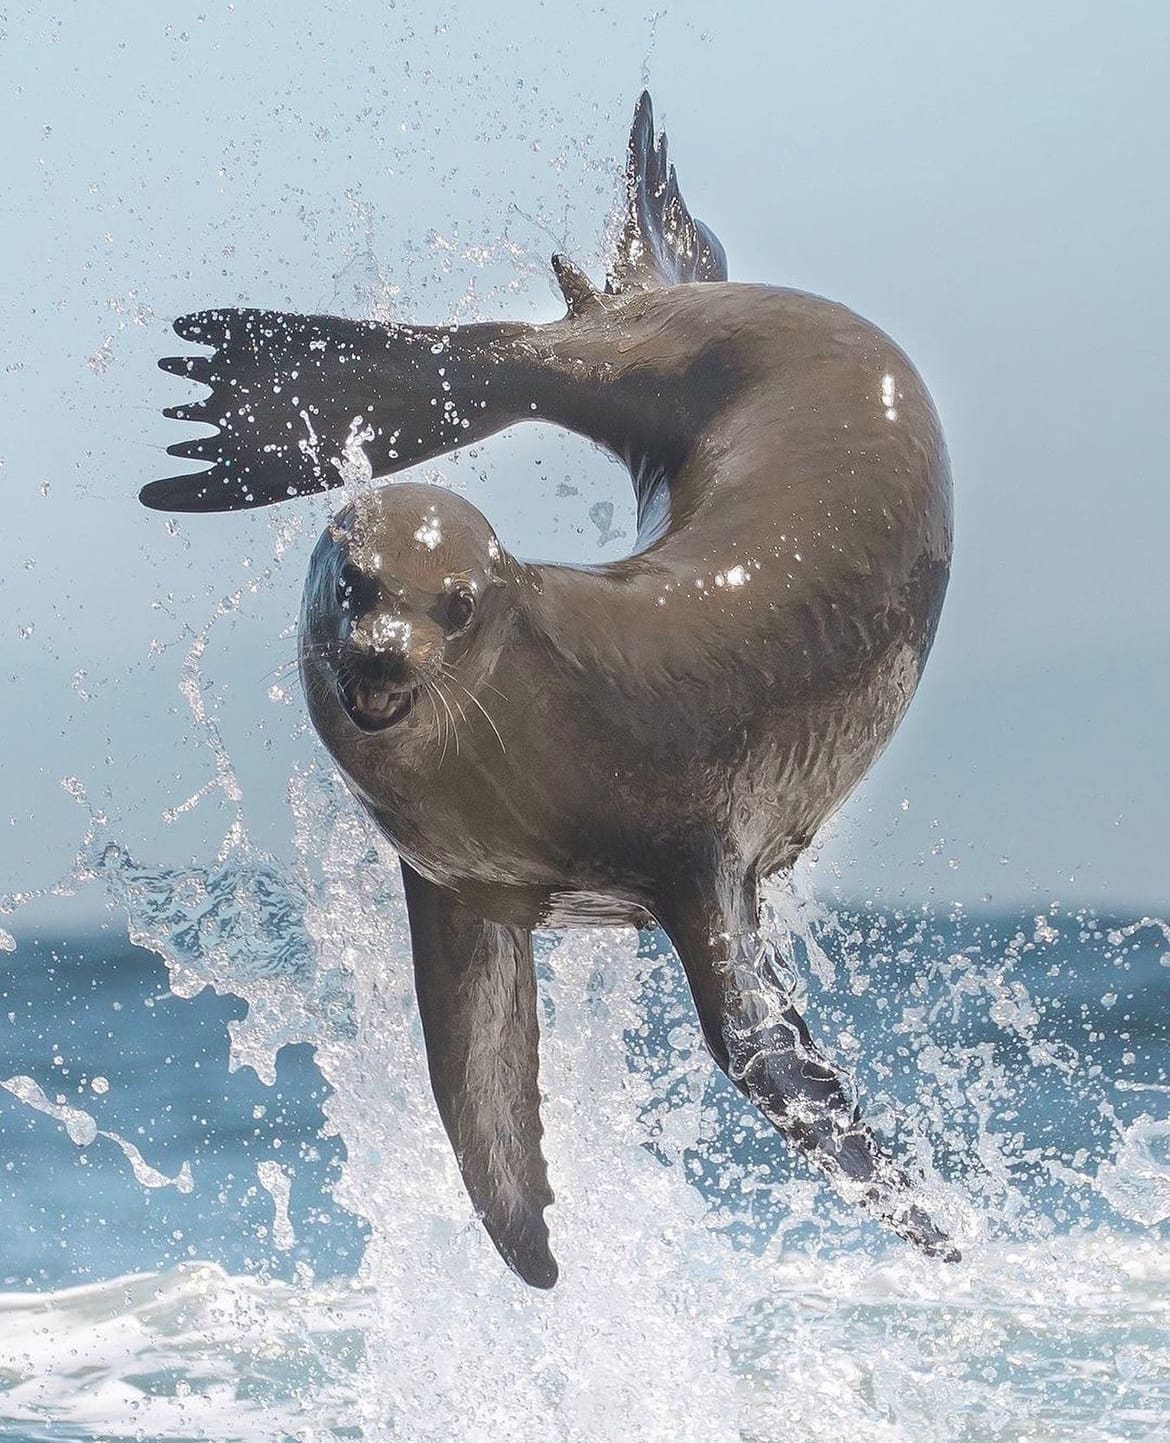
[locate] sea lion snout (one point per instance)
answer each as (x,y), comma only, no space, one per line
(385,662)
(376,687)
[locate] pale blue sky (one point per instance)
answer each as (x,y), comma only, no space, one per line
(988,183)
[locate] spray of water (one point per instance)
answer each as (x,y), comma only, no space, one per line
(708,1290)
(712,1289)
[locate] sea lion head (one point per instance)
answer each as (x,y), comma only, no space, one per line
(399,587)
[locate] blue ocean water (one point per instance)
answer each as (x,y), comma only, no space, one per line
(232,1284)
(93,1022)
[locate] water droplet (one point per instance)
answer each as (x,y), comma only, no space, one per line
(75,787)
(103,358)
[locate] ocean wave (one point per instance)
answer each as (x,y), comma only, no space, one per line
(191,1353)
(1067,1335)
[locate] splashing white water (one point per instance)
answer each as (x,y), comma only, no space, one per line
(1137,1178)
(704,1295)
(277,1183)
(1055,1342)
(188,1354)
(667,1322)
(81,1128)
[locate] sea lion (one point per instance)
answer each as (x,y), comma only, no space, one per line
(641,741)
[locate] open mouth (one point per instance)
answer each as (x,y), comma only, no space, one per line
(373,707)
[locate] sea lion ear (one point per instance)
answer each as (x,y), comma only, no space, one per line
(661,244)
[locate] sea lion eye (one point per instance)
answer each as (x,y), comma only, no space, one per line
(356,592)
(460,608)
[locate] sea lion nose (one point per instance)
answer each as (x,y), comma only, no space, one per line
(379,649)
(382,638)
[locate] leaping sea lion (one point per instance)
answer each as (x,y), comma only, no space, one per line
(640,742)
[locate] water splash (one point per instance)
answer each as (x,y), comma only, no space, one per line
(81,1128)
(277,1182)
(188,1354)
(711,1288)
(1136,1180)
(238,929)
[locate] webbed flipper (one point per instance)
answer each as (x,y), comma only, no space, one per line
(661,243)
(756,1035)
(303,403)
(476,990)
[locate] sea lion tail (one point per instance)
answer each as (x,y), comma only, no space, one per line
(661,243)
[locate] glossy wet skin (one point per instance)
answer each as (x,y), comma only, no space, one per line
(647,739)
(719,691)
(394,597)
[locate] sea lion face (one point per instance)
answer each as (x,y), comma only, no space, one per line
(396,596)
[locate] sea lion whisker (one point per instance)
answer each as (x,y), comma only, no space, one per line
(454,727)
(316,686)
(448,675)
(434,707)
(490,687)
(443,730)
(473,698)
(284,668)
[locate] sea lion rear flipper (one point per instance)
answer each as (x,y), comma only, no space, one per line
(757,1036)
(302,404)
(306,403)
(661,243)
(476,992)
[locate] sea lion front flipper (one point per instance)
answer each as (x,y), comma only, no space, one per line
(476,990)
(757,1036)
